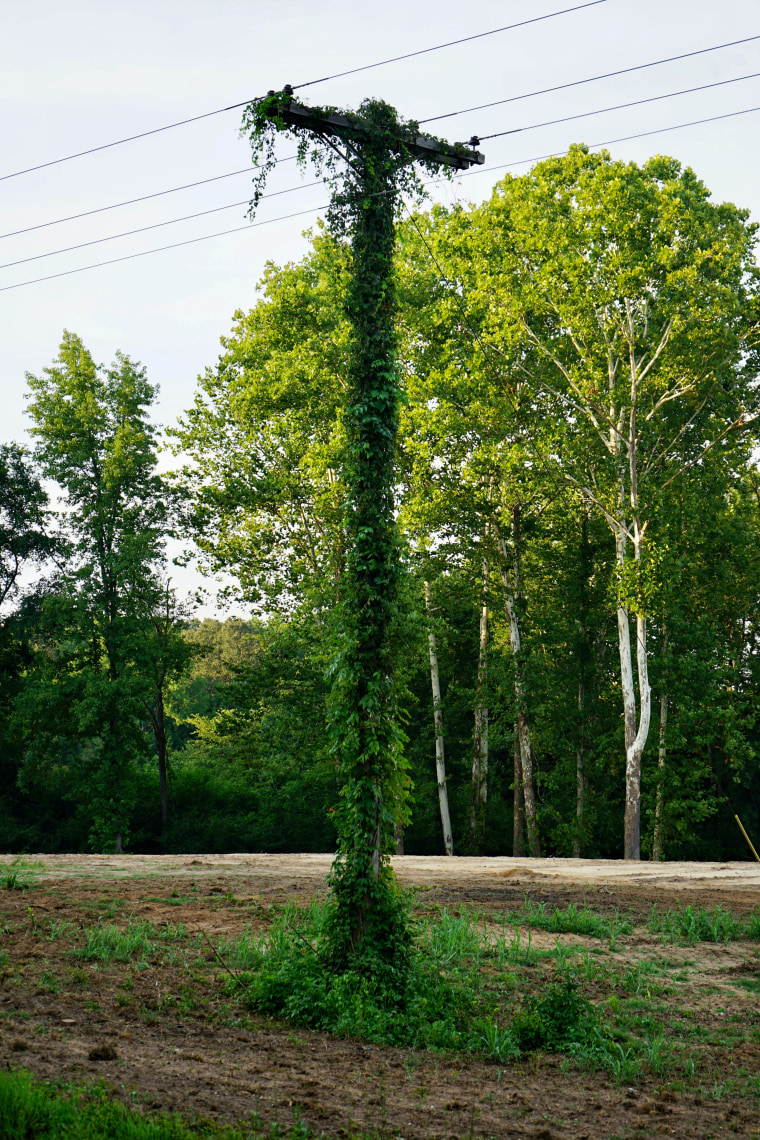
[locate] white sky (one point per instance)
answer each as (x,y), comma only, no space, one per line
(79,74)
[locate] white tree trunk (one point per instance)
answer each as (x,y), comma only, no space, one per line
(635,735)
(440,760)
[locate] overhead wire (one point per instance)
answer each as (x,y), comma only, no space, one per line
(159,225)
(310,185)
(591,79)
(142,198)
(292,157)
(451,43)
(620,106)
(120,142)
(479,170)
(161,249)
(310,83)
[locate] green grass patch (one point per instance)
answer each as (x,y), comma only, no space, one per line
(571,920)
(138,939)
(688,925)
(464,989)
(35,1110)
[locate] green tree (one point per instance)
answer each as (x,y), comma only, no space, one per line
(95,440)
(628,299)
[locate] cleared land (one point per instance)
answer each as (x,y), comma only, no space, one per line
(160,1020)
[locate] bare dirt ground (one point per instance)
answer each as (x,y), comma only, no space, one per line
(167,1036)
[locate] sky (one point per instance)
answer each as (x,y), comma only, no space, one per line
(78,75)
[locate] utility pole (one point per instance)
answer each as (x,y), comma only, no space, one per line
(378,152)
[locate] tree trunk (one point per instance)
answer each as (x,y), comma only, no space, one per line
(159,729)
(582,655)
(661,757)
(635,737)
(511,596)
(440,760)
(479,801)
(518,826)
(580,776)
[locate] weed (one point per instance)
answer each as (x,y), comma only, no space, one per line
(688,925)
(638,979)
(33,1108)
(109,943)
(571,920)
(48,984)
(623,1066)
(498,1044)
(562,1018)
(59,928)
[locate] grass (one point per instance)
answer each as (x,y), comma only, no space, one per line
(36,1110)
(688,925)
(571,920)
(477,984)
(140,939)
(460,993)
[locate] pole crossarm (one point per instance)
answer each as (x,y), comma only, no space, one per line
(293,114)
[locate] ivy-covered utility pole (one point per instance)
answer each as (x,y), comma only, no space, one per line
(369,158)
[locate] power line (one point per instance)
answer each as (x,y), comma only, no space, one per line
(158,225)
(235,106)
(300,213)
(160,249)
(620,107)
(451,43)
(119,142)
(382,63)
(232,205)
(132,201)
(592,79)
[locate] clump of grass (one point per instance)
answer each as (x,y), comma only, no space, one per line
(107,943)
(688,925)
(421,1005)
(30,1108)
(571,920)
(562,1019)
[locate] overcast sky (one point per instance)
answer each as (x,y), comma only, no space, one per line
(84,73)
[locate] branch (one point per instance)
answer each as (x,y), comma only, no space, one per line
(658,351)
(592,413)
(613,522)
(652,463)
(744,418)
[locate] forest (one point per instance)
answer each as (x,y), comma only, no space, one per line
(577,504)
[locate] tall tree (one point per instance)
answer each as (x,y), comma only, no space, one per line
(25,540)
(631,296)
(95,440)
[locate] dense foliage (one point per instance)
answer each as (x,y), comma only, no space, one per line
(576,435)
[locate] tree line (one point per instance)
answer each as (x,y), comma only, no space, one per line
(577,506)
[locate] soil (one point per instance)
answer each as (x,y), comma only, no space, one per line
(167,1043)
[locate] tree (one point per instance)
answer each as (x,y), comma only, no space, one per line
(627,298)
(266,435)
(94,438)
(24,537)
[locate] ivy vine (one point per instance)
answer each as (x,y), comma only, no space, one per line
(368,169)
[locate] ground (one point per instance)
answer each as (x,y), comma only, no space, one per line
(166,1030)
